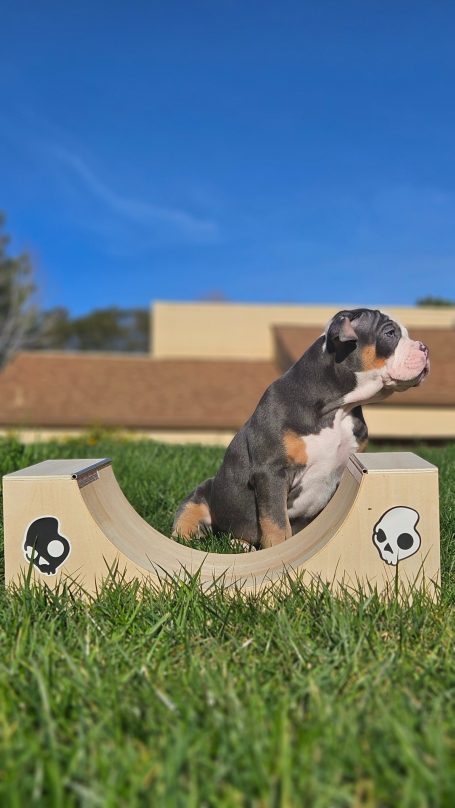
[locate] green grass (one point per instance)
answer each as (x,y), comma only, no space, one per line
(179,698)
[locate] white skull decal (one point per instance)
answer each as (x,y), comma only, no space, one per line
(395,535)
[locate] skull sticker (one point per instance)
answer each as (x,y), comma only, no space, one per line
(395,535)
(45,546)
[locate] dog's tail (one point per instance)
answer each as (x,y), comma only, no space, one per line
(193,517)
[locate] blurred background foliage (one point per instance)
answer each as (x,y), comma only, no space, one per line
(23,325)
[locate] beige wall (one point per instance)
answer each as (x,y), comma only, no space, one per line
(400,423)
(219,437)
(410,423)
(240,331)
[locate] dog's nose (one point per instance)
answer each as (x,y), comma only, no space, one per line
(424,348)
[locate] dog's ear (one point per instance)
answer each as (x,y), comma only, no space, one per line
(340,329)
(346,331)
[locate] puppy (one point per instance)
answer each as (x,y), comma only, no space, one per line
(286,462)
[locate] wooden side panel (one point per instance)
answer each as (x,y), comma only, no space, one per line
(91,554)
(354,556)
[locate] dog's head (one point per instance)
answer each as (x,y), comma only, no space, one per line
(378,350)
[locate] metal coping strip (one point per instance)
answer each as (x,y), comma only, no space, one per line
(90,473)
(355,467)
(87,478)
(359,467)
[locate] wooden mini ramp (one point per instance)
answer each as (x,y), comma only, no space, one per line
(69,519)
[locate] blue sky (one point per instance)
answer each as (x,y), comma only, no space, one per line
(269,151)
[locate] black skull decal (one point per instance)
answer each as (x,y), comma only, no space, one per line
(45,546)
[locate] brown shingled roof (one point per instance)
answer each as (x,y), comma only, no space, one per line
(65,390)
(437,390)
(292,341)
(57,389)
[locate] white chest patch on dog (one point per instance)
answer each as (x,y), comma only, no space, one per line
(328,454)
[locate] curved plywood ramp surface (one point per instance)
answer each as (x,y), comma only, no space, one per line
(76,508)
(148,548)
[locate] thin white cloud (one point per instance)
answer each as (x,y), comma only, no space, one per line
(135,210)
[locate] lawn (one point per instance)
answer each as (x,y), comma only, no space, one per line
(179,698)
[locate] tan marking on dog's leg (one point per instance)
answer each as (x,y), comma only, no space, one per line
(295,448)
(370,360)
(288,528)
(362,445)
(187,524)
(271,532)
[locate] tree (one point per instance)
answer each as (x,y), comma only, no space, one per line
(18,315)
(22,325)
(54,329)
(429,300)
(111,329)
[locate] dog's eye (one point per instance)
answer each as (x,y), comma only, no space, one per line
(390,332)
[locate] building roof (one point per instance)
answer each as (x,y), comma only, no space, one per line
(437,390)
(59,389)
(291,341)
(73,390)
